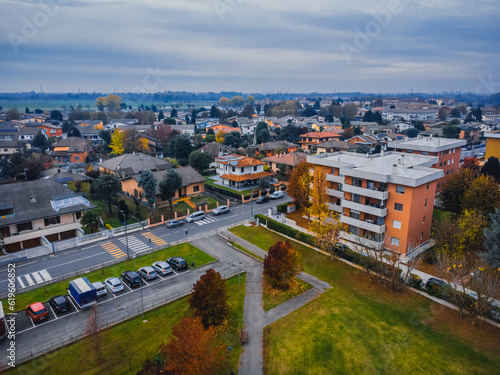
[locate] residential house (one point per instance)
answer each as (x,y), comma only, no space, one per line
(193,184)
(133,164)
(223,128)
(470,133)
(240,171)
(13,140)
(386,200)
(310,141)
(70,150)
(271,148)
(64,176)
(51,130)
(334,146)
(34,213)
(446,150)
(366,139)
(291,160)
(90,133)
(216,149)
(492,145)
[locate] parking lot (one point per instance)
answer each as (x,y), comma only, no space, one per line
(24,322)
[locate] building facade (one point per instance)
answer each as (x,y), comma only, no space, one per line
(385,200)
(240,171)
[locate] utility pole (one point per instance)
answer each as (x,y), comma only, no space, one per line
(126,236)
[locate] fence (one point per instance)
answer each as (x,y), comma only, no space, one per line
(114,317)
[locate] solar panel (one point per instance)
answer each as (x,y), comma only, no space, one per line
(69,202)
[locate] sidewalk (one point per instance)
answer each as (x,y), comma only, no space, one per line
(255,318)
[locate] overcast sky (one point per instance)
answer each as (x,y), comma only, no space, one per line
(249,45)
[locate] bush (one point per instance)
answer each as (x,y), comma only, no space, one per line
(282,207)
(415,281)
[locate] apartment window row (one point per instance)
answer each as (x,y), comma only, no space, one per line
(52,221)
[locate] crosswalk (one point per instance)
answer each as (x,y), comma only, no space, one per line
(155,239)
(206,220)
(34,278)
(134,243)
(114,250)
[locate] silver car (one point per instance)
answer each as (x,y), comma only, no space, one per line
(114,284)
(162,268)
(221,210)
(148,273)
(100,288)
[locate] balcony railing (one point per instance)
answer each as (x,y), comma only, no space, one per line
(334,207)
(333,178)
(372,227)
(372,193)
(335,193)
(369,209)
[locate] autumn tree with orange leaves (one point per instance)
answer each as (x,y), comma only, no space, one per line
(209,299)
(194,350)
(281,265)
(299,185)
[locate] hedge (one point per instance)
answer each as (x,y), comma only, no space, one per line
(283,207)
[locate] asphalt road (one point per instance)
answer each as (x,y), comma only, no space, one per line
(32,339)
(63,263)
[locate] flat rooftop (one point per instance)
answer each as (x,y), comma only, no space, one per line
(429,144)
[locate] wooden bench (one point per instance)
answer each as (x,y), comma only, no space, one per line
(243,337)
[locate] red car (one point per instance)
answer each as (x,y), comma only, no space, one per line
(37,312)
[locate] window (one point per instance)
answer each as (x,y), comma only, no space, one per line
(255,168)
(77,158)
(196,188)
(441,164)
(400,189)
(451,171)
(356,198)
(398,206)
(425,204)
(438,186)
(421,236)
(24,226)
(52,221)
(234,169)
(5,149)
(425,153)
(78,215)
(395,241)
(242,169)
(423,220)
(447,172)
(428,187)
(355,215)
(396,224)
(452,161)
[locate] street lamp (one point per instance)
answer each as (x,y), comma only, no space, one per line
(239,278)
(126,236)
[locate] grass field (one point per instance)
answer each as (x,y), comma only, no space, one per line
(360,327)
(272,298)
(184,250)
(210,182)
(126,346)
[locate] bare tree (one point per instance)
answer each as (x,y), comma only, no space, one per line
(93,331)
(485,282)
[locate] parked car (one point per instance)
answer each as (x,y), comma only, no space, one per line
(148,273)
(60,304)
(174,223)
(262,199)
(221,210)
(177,263)
(162,268)
(434,281)
(100,288)
(37,312)
(114,284)
(131,278)
(198,215)
(277,194)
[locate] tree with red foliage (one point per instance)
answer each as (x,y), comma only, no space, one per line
(193,350)
(163,133)
(281,264)
(209,298)
(473,164)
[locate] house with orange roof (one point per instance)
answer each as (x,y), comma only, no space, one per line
(239,171)
(223,128)
(309,141)
(368,140)
(70,150)
(51,130)
(291,161)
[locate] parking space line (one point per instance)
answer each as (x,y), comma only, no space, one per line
(31,320)
(70,300)
(145,282)
(53,312)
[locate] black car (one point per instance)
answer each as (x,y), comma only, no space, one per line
(263,199)
(177,263)
(435,282)
(60,304)
(174,223)
(131,278)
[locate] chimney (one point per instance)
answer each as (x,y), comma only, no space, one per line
(394,169)
(33,199)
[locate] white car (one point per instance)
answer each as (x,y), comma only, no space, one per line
(276,195)
(198,215)
(100,288)
(221,210)
(162,268)
(114,284)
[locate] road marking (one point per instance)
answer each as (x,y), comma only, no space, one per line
(45,274)
(71,300)
(134,243)
(37,277)
(20,281)
(53,312)
(28,278)
(113,250)
(206,220)
(157,240)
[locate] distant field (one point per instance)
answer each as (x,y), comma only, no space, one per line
(56,104)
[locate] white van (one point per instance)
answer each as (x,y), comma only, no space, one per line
(277,194)
(198,215)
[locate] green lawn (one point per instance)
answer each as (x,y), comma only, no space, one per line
(210,182)
(245,250)
(272,298)
(361,327)
(126,345)
(184,250)
(182,208)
